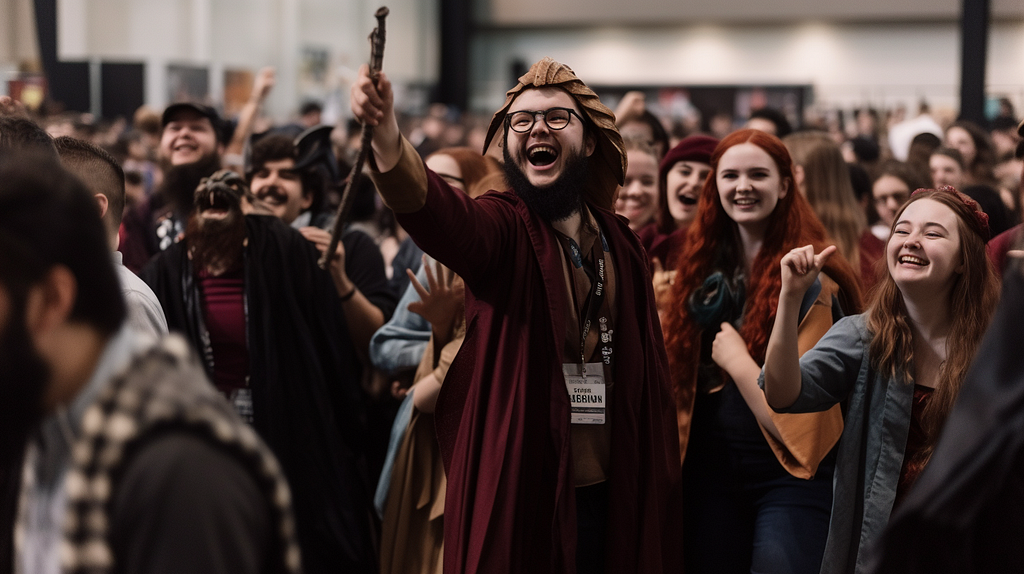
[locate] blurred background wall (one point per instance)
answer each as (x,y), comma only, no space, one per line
(882,53)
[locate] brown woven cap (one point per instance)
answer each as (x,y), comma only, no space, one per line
(609,161)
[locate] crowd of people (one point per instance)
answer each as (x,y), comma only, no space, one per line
(588,342)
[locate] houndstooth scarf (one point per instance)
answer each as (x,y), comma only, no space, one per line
(164,388)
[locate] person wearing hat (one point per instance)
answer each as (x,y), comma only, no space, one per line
(278,338)
(681,176)
(288,178)
(191,144)
(556,419)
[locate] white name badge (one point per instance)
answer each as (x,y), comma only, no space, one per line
(586,393)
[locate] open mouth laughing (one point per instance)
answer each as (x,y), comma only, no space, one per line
(541,155)
(216,204)
(912,260)
(687,199)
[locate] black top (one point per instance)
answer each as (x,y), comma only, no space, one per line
(304,375)
(184,504)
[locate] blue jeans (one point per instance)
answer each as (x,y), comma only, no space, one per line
(742,511)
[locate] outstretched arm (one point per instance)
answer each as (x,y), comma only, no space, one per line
(262,85)
(800,267)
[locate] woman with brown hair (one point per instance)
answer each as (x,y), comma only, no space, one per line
(824,179)
(898,367)
(977,149)
(745,509)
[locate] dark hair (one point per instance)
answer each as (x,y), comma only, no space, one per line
(984,151)
(921,148)
(782,125)
(1000,218)
(48,218)
(277,147)
(659,137)
(310,107)
(903,172)
(861,181)
(98,170)
(953,154)
(22,134)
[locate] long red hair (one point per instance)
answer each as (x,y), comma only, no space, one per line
(714,237)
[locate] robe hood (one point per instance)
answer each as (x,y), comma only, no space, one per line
(608,164)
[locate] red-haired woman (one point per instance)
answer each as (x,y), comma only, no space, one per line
(746,509)
(898,367)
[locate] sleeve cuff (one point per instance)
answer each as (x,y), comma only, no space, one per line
(404,187)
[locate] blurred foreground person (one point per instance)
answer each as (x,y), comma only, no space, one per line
(133,462)
(556,419)
(267,321)
(105,179)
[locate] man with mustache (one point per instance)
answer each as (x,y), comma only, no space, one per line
(556,420)
(289,178)
(191,144)
(131,460)
(270,327)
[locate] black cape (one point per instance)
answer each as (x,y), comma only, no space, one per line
(304,376)
(966,511)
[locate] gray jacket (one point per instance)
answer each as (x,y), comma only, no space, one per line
(876,425)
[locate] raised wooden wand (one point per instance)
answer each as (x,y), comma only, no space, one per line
(377,38)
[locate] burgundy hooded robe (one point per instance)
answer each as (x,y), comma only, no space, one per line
(503,414)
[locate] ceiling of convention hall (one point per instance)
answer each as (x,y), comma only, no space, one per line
(672,12)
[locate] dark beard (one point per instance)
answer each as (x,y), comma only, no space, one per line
(24,374)
(559,200)
(216,244)
(181,181)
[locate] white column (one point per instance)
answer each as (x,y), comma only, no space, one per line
(72,29)
(284,98)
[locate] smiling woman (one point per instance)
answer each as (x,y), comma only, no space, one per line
(898,368)
(638,197)
(716,328)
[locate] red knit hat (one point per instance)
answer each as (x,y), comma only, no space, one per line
(693,148)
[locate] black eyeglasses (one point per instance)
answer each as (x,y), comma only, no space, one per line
(555,118)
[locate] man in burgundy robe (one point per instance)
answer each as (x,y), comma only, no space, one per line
(556,421)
